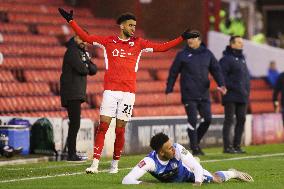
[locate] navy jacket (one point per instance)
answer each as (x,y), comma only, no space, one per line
(76,66)
(194,66)
(236,74)
(279,88)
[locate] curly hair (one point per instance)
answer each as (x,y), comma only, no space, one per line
(125,16)
(158,141)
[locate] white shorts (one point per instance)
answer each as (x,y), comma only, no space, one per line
(117,104)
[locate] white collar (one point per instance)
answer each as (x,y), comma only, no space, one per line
(161,161)
(123,39)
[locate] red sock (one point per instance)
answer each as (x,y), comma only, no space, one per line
(119,142)
(99,139)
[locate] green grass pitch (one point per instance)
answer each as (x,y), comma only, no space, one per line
(265,163)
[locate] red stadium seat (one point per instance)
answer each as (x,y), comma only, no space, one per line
(261,95)
(55,19)
(36,2)
(37,59)
(61,113)
(42,76)
(23,104)
(213,85)
(259,84)
(6,76)
(143,76)
(30,39)
(152,63)
(32,63)
(52,29)
(38,7)
(161,55)
(93,114)
(96,78)
(97,100)
(163,75)
(155,99)
(261,107)
(95,88)
(13,28)
(217,108)
(24,89)
(28,50)
(159,111)
(153,86)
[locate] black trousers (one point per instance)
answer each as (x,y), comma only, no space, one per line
(231,109)
(192,108)
(74,114)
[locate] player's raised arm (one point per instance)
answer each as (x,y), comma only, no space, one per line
(161,47)
(78,30)
(192,163)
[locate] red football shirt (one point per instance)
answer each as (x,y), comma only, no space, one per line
(122,57)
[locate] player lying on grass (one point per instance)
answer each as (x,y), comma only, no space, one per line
(173,163)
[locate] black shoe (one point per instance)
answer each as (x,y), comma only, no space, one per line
(76,158)
(7,151)
(198,152)
(229,150)
(18,150)
(239,150)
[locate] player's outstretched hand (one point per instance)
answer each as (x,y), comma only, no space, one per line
(67,15)
(187,34)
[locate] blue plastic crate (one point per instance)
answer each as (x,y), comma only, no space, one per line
(19,136)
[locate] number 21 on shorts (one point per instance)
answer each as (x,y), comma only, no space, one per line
(127,109)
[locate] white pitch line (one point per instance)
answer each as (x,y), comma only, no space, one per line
(51,167)
(106,170)
(41,177)
(244,157)
(53,176)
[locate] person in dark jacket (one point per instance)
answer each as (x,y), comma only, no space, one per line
(193,64)
(272,74)
(235,101)
(279,88)
(73,81)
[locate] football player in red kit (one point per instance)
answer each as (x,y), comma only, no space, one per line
(122,54)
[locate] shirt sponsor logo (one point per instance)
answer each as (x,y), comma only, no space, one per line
(121,53)
(141,164)
(184,151)
(131,43)
(174,165)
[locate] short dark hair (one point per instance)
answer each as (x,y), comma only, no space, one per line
(191,34)
(233,37)
(195,33)
(125,16)
(158,141)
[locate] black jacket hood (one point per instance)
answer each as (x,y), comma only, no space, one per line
(72,43)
